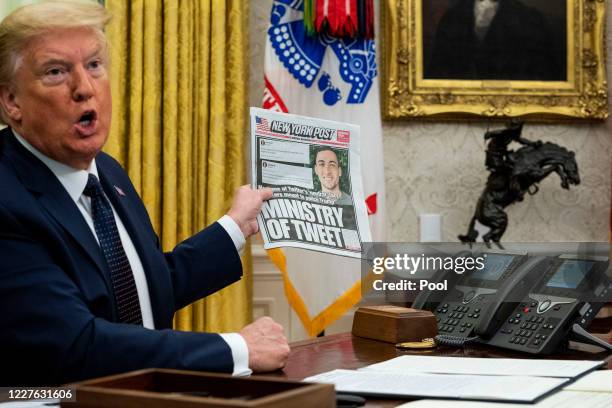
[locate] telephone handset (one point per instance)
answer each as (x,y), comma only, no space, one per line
(429,299)
(506,298)
(474,307)
(560,305)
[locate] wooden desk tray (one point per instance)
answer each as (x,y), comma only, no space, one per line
(157,388)
(394,324)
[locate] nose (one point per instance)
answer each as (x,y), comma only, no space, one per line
(82,87)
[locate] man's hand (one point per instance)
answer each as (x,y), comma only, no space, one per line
(245,207)
(268,347)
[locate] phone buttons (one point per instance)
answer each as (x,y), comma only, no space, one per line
(544,306)
(585,308)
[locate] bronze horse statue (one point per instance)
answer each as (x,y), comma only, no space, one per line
(520,173)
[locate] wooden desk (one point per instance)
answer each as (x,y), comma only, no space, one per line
(345,351)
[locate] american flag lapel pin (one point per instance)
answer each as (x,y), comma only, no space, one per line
(119,191)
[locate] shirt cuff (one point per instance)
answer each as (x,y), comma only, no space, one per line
(233,230)
(240,353)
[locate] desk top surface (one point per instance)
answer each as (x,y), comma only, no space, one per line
(343,350)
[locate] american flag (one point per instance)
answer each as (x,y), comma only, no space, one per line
(261,124)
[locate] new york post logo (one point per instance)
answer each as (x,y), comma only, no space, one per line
(302,131)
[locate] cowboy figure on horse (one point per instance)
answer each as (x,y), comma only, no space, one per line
(499,139)
(514,173)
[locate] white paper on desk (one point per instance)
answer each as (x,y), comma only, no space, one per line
(486,366)
(563,399)
(497,388)
(597,381)
(30,404)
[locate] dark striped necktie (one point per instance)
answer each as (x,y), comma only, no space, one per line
(122,278)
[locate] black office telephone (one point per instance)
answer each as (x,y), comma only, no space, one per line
(559,307)
(478,303)
(526,303)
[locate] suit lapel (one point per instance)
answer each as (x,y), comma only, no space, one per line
(142,242)
(55,199)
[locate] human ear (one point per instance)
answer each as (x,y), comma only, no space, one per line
(9,104)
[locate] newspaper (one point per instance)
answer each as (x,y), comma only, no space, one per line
(313,166)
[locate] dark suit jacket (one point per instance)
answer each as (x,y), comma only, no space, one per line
(518,46)
(58,319)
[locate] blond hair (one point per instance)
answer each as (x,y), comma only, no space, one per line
(30,21)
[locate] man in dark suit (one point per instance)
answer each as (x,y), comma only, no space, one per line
(85,289)
(494,40)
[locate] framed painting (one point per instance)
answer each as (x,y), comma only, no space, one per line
(534,59)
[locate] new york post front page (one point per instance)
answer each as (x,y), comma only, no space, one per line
(313,167)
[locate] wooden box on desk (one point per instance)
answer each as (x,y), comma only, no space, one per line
(394,324)
(162,388)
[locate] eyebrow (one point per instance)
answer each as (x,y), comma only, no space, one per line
(54,61)
(99,50)
(61,61)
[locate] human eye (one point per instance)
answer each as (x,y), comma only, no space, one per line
(54,74)
(95,65)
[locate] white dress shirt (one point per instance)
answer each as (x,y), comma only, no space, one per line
(484,12)
(74,181)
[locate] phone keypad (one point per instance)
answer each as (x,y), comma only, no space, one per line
(532,330)
(525,330)
(456,318)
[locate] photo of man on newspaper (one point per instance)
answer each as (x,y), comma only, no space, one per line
(329,171)
(313,167)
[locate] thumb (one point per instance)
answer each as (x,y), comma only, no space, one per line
(266,193)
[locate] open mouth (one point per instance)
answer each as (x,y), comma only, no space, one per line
(87,123)
(87,119)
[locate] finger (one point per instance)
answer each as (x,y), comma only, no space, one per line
(254,227)
(265,193)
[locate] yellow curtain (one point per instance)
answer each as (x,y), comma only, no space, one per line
(179,78)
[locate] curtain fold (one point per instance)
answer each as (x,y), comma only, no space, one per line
(179,78)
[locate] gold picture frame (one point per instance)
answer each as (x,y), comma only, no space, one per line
(409,93)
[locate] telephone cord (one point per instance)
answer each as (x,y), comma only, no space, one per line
(454,341)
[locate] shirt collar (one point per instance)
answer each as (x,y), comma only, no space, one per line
(73,180)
